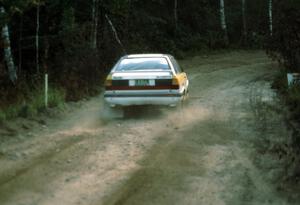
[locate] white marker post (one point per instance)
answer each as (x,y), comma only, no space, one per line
(46,90)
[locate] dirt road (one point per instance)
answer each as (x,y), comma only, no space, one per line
(211,151)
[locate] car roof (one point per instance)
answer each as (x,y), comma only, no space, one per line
(146,55)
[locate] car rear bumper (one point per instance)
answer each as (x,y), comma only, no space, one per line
(141,98)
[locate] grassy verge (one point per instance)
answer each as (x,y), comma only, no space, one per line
(290,95)
(293,101)
(34,104)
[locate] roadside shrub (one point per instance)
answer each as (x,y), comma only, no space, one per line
(56,97)
(26,111)
(291,95)
(280,82)
(2,116)
(11,112)
(293,101)
(35,103)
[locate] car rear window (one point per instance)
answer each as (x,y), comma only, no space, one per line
(132,64)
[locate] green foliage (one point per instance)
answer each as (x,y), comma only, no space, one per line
(25,111)
(2,116)
(68,20)
(290,95)
(16,5)
(293,101)
(280,82)
(10,112)
(34,104)
(56,97)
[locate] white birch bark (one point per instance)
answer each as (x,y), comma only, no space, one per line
(7,50)
(176,13)
(95,24)
(115,33)
(37,46)
(223,21)
(271,17)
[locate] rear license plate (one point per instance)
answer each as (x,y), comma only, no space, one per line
(142,83)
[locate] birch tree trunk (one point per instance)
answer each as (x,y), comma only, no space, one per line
(271,17)
(176,14)
(7,50)
(37,46)
(223,22)
(95,11)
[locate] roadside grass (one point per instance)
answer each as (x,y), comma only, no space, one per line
(34,104)
(293,101)
(290,95)
(278,145)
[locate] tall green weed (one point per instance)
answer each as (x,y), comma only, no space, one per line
(34,104)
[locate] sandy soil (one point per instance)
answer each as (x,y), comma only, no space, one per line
(210,151)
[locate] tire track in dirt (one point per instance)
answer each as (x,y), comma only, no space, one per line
(13,174)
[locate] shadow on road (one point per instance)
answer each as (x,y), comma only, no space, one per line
(143,112)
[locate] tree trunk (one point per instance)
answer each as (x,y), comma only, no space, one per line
(271,17)
(245,32)
(223,22)
(127,29)
(20,44)
(95,23)
(46,55)
(115,33)
(37,46)
(176,14)
(7,50)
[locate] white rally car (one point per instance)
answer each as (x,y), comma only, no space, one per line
(146,79)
